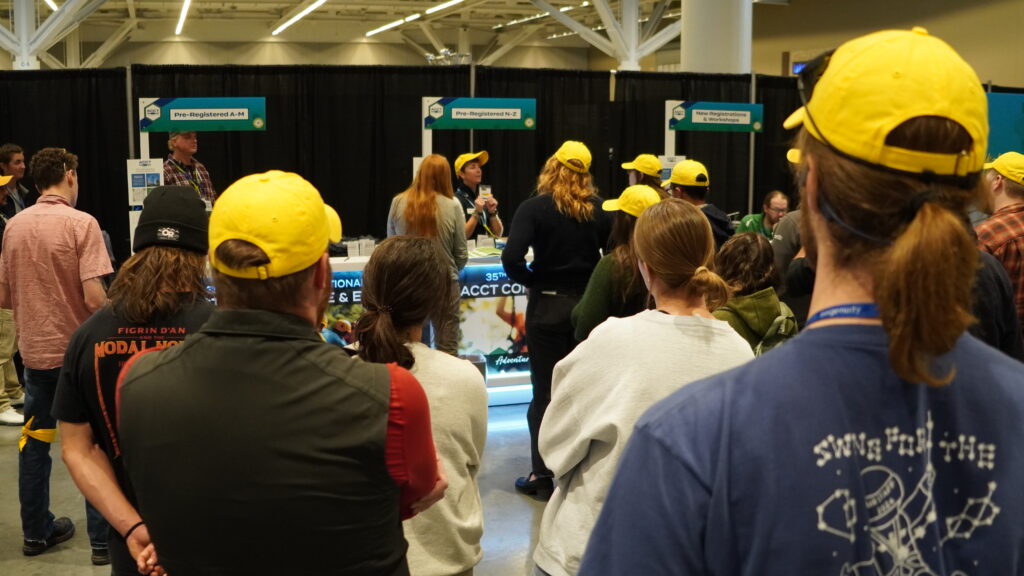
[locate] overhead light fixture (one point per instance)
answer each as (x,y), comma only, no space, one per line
(440,7)
(415,16)
(537,16)
(52,5)
(181,19)
(388,26)
(298,17)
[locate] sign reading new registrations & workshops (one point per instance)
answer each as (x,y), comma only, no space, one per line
(480,113)
(716,117)
(203,114)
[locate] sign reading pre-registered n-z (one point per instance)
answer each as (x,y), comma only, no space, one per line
(202,114)
(481,114)
(716,116)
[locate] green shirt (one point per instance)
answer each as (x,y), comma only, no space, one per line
(754,223)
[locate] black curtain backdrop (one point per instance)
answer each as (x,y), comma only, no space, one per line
(780,98)
(571,105)
(351,131)
(639,127)
(83,111)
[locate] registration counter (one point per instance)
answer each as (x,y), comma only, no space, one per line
(491,314)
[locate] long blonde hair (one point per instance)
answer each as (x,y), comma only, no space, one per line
(434,177)
(673,238)
(572,191)
(913,237)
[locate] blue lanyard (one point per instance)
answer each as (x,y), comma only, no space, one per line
(854,310)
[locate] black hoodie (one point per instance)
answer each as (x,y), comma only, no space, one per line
(721,226)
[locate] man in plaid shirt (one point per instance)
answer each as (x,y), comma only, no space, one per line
(181,168)
(1002,235)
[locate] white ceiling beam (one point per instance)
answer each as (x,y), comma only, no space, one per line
(56,26)
(593,38)
(51,61)
(8,41)
(110,44)
(654,20)
(414,45)
(131,9)
(611,25)
(518,39)
(428,30)
(666,35)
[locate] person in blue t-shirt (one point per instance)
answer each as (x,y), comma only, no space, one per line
(882,440)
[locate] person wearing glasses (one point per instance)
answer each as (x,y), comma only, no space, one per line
(182,169)
(51,267)
(883,438)
(775,206)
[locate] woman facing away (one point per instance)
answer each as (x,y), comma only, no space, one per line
(747,263)
(624,367)
(428,208)
(399,286)
(615,288)
(566,228)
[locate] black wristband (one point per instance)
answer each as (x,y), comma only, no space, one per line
(132,529)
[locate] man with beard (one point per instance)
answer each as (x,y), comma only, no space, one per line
(882,439)
(255,448)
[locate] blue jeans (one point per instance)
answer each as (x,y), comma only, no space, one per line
(34,465)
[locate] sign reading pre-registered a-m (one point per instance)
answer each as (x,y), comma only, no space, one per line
(481,114)
(202,114)
(716,116)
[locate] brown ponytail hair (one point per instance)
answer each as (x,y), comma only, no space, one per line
(913,238)
(402,286)
(673,238)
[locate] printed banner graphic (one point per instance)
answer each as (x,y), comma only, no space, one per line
(203,114)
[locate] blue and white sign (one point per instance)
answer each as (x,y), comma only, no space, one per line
(717,117)
(481,113)
(202,114)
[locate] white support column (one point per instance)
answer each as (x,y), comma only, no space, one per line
(630,35)
(73,49)
(716,36)
(24,26)
(464,45)
(428,30)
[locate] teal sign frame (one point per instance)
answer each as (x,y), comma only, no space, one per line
(203,114)
(481,114)
(717,117)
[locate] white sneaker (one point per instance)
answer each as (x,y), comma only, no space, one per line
(10,417)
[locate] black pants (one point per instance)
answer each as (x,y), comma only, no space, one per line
(549,337)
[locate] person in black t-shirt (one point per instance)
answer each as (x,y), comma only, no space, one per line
(158,298)
(479,208)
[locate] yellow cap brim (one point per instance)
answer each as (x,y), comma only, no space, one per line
(333,224)
(793,155)
(628,166)
(796,119)
(5,179)
(987,166)
(610,205)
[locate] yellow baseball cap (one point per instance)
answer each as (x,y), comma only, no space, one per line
(573,150)
(633,200)
(279,212)
(794,155)
(1010,165)
(688,173)
(646,164)
(480,157)
(875,83)
(5,179)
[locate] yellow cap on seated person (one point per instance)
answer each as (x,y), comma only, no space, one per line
(1009,165)
(572,152)
(875,83)
(279,212)
(688,173)
(633,200)
(5,179)
(645,164)
(480,157)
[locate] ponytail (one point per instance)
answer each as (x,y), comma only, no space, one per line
(705,282)
(924,308)
(379,340)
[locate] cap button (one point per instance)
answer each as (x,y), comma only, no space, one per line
(919,30)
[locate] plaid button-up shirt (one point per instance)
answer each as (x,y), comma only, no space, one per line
(194,176)
(1002,236)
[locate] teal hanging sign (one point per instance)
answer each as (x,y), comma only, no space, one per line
(203,114)
(717,117)
(481,114)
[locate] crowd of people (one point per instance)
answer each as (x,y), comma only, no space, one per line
(836,390)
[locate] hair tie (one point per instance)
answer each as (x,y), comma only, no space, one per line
(918,200)
(385,309)
(700,269)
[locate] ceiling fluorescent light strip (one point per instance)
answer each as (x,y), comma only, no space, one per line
(388,26)
(181,19)
(53,6)
(440,7)
(298,17)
